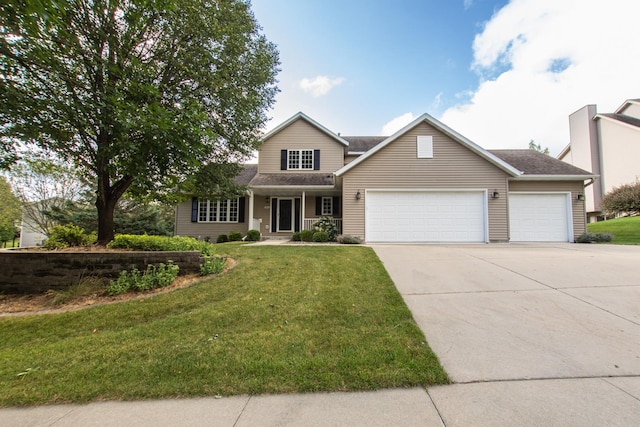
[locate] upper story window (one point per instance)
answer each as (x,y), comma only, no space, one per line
(217,210)
(300,159)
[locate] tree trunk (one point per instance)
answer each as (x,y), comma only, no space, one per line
(106,206)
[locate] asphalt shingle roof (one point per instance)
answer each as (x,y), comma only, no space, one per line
(361,144)
(247,174)
(623,118)
(531,162)
(298,179)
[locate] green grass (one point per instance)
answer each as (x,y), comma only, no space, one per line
(286,319)
(626,231)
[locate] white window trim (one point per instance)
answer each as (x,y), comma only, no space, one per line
(300,155)
(218,203)
(322,211)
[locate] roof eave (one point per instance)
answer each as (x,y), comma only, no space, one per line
(620,122)
(292,187)
(533,177)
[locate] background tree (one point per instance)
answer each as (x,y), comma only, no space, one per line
(42,183)
(536,147)
(622,200)
(10,213)
(137,94)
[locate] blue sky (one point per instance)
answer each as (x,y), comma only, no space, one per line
(499,72)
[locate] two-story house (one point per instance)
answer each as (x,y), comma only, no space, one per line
(425,183)
(607,144)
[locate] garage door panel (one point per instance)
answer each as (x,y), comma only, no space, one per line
(425,216)
(539,217)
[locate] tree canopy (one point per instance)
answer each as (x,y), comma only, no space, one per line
(138,95)
(537,147)
(9,211)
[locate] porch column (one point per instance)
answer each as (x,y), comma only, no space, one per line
(251,210)
(303,204)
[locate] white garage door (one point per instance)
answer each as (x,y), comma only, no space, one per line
(425,216)
(540,217)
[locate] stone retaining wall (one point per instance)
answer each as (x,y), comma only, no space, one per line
(38,271)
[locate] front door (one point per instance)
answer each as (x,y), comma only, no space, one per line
(285,214)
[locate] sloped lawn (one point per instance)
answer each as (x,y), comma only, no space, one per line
(626,231)
(286,319)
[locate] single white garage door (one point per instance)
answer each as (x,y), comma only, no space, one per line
(540,217)
(425,216)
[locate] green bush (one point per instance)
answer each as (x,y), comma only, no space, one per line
(306,235)
(223,238)
(296,237)
(347,239)
(212,265)
(160,243)
(594,237)
(235,236)
(321,236)
(253,236)
(325,223)
(155,276)
(63,236)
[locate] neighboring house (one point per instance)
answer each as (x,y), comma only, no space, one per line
(425,183)
(608,145)
(29,235)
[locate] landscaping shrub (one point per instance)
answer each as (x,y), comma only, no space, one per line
(223,238)
(235,236)
(325,223)
(63,236)
(296,237)
(212,265)
(320,236)
(594,237)
(155,276)
(347,239)
(160,243)
(306,235)
(253,236)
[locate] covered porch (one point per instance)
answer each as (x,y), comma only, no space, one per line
(279,214)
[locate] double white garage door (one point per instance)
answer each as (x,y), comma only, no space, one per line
(426,216)
(461,216)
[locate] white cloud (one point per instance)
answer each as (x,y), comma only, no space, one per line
(541,60)
(468,4)
(397,123)
(320,85)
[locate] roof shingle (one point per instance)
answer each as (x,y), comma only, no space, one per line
(531,162)
(297,179)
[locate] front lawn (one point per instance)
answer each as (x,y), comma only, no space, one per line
(286,319)
(626,231)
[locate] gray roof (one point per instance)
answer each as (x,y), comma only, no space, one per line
(623,118)
(247,174)
(296,179)
(531,162)
(360,144)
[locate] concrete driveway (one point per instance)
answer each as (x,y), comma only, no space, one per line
(535,333)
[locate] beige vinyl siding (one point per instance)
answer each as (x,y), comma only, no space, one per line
(576,187)
(453,166)
(184,226)
(300,135)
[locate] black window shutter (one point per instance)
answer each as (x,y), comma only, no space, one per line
(296,226)
(316,160)
(318,205)
(336,206)
(241,209)
(283,160)
(274,215)
(194,209)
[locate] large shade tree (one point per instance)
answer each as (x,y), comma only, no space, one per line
(138,94)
